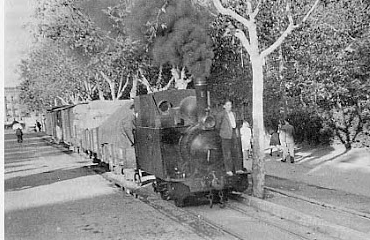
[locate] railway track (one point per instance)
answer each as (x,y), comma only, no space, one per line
(236,221)
(239,220)
(319,203)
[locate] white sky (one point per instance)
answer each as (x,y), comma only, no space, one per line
(17,39)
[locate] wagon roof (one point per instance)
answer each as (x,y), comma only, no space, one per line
(110,130)
(94,113)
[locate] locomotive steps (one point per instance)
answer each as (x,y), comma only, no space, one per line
(332,221)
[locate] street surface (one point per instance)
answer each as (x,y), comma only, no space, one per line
(52,193)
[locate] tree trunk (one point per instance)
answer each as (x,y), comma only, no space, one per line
(282,84)
(134,87)
(101,94)
(180,78)
(258,165)
(257,59)
(112,85)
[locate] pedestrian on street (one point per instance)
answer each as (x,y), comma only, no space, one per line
(246,139)
(275,141)
(226,125)
(287,141)
(19,135)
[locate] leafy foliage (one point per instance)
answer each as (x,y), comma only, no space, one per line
(51,73)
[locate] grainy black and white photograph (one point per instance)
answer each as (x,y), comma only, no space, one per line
(186,120)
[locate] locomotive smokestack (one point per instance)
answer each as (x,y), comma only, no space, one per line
(200,84)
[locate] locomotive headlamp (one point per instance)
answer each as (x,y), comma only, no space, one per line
(209,122)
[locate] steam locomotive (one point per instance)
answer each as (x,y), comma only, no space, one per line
(176,141)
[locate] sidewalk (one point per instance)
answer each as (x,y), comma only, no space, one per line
(327,167)
(326,188)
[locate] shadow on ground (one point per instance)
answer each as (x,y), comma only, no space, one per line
(45,178)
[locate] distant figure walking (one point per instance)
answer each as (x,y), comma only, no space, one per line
(246,138)
(19,135)
(287,141)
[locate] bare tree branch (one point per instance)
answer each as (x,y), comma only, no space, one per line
(145,81)
(122,89)
(120,84)
(111,85)
(167,86)
(279,41)
(256,10)
(288,30)
(243,39)
(64,102)
(311,10)
(221,9)
(134,86)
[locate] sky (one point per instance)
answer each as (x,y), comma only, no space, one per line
(17,39)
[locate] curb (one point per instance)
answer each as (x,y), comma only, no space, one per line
(325,227)
(314,201)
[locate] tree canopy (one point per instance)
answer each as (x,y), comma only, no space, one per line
(115,49)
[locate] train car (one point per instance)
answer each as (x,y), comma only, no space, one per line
(87,118)
(58,123)
(117,141)
(177,142)
(49,123)
(117,150)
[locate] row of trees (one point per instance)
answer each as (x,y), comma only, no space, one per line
(108,47)
(308,60)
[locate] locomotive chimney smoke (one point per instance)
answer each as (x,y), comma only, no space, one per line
(200,84)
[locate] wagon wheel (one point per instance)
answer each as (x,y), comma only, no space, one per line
(210,198)
(222,199)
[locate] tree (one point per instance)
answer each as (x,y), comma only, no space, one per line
(50,74)
(326,67)
(245,17)
(96,44)
(231,72)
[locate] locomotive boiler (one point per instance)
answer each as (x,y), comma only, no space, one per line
(176,141)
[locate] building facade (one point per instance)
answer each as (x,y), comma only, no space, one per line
(14,111)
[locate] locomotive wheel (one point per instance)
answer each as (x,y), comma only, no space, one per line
(222,199)
(165,195)
(179,202)
(242,184)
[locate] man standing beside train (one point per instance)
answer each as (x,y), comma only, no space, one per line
(287,141)
(226,125)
